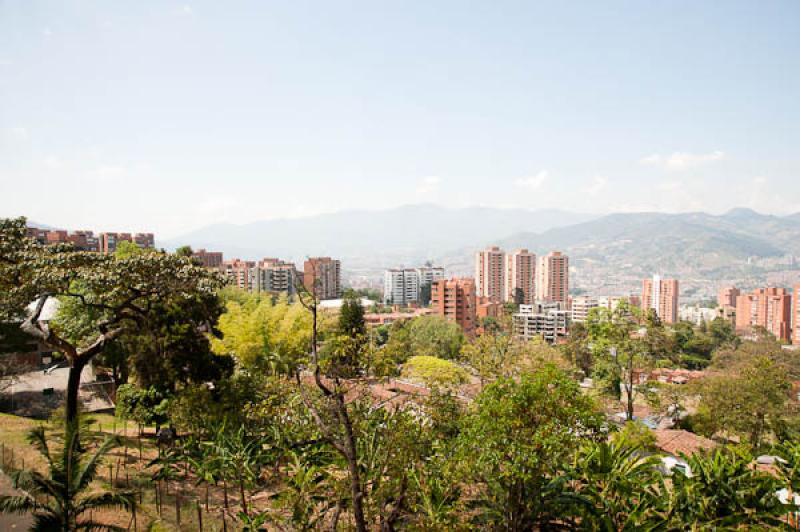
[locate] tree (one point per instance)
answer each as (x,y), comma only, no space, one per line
(61,500)
(750,403)
(120,291)
(260,333)
(577,348)
(493,354)
(516,443)
(351,316)
(434,372)
(184,251)
(723,492)
(622,341)
(331,415)
(434,336)
(425,294)
(615,480)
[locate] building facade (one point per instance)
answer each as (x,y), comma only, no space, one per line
(455,300)
(546,320)
(209,259)
(726,296)
(796,322)
(581,306)
(553,278)
(521,277)
(323,276)
(273,275)
(490,274)
(110,241)
(770,308)
(661,295)
(401,286)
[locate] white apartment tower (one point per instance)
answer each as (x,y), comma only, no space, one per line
(401,286)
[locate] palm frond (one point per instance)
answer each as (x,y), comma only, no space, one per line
(88,470)
(19,504)
(108,499)
(38,439)
(94,525)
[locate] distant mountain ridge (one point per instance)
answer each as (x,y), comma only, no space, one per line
(407,233)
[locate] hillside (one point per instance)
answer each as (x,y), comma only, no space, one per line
(404,234)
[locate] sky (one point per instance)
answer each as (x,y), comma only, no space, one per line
(169,116)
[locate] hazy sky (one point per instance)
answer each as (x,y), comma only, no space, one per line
(166,116)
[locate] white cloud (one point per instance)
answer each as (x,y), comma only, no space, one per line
(533,182)
(682,160)
(47,32)
(668,186)
(429,185)
(18,134)
(596,186)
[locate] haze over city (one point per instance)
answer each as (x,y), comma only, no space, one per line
(167,117)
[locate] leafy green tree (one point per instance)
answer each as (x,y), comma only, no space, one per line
(434,336)
(750,404)
(723,492)
(622,341)
(62,499)
(425,294)
(434,372)
(351,316)
(120,291)
(184,251)
(145,406)
(615,482)
(577,350)
(515,444)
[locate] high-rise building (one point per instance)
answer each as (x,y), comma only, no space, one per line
(238,271)
(455,300)
(429,274)
(323,276)
(401,286)
(726,297)
(110,241)
(581,306)
(490,274)
(770,308)
(521,277)
(209,259)
(662,296)
(273,275)
(553,278)
(796,322)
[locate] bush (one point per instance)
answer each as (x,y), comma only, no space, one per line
(434,371)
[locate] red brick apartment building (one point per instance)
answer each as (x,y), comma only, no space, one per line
(662,296)
(770,308)
(455,300)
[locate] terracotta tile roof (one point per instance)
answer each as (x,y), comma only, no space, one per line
(676,442)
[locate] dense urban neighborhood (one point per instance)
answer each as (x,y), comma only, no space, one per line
(199,392)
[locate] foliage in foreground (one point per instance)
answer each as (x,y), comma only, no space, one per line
(61,499)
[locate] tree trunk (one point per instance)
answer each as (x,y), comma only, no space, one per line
(244,497)
(73,386)
(352,466)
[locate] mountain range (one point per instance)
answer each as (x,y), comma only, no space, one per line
(605,250)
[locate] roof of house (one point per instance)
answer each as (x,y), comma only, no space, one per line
(677,441)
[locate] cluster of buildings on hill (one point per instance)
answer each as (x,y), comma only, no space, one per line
(323,274)
(88,241)
(769,308)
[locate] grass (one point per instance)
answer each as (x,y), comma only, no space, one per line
(129,472)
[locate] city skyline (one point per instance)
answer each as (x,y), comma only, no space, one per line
(170,117)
